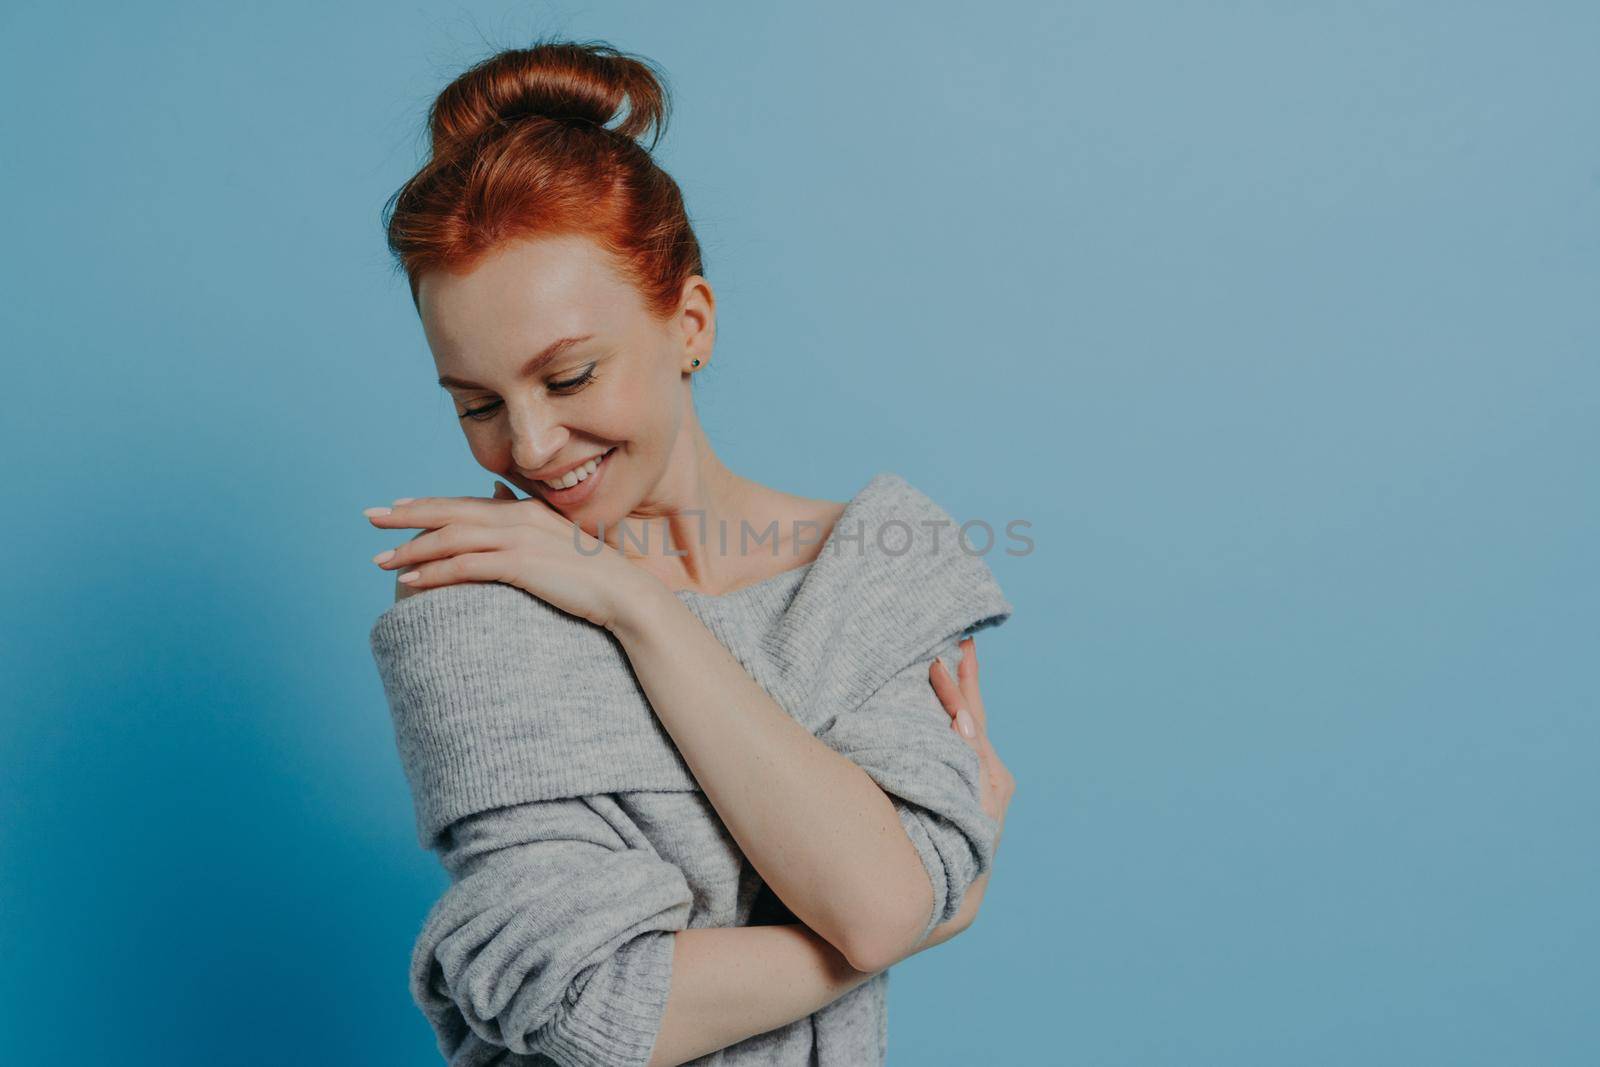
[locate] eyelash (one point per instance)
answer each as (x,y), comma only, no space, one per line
(567,387)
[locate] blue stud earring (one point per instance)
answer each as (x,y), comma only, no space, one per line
(696,363)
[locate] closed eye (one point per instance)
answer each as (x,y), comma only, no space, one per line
(581,380)
(570,386)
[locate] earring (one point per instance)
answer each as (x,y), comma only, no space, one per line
(696,363)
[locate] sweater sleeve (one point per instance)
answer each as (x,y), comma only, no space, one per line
(555,937)
(903,738)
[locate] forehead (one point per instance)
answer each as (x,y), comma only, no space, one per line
(522,293)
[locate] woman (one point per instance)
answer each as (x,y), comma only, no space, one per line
(694,798)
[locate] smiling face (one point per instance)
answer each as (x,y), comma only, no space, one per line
(552,359)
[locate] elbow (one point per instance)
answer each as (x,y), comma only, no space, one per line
(905,915)
(867,957)
(878,950)
(893,935)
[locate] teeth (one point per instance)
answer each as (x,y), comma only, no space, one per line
(573,477)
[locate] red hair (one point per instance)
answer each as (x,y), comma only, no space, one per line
(521,149)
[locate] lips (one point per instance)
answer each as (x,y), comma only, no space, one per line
(575,495)
(568,470)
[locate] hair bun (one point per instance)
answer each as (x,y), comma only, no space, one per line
(524,146)
(562,81)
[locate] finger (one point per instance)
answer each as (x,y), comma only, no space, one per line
(447,541)
(412,506)
(454,570)
(395,515)
(967,672)
(954,702)
(944,687)
(433,512)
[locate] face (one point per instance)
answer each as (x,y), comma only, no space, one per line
(533,402)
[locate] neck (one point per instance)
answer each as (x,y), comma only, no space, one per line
(687,529)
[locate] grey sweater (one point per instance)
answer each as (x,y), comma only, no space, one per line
(576,839)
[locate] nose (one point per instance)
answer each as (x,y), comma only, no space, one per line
(534,443)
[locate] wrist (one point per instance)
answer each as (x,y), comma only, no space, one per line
(643,604)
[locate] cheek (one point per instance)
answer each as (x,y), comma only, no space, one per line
(628,411)
(491,450)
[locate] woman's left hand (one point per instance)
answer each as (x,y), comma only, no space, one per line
(525,543)
(962,699)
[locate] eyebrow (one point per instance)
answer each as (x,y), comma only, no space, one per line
(530,368)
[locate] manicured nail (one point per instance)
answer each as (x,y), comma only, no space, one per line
(373,513)
(964,722)
(409,576)
(384,557)
(404,500)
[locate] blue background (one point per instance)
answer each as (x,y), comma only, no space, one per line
(1277,321)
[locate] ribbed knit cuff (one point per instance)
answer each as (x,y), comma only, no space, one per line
(633,983)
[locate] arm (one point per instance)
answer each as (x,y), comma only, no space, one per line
(821,833)
(733,983)
(561,928)
(904,737)
(555,936)
(850,861)
(729,984)
(563,934)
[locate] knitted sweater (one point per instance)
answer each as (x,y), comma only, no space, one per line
(577,840)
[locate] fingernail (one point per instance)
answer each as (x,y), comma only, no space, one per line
(409,576)
(384,556)
(373,513)
(405,500)
(964,722)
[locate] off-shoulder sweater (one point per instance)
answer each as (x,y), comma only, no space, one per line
(577,841)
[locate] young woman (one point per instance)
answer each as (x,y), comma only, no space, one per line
(695,797)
